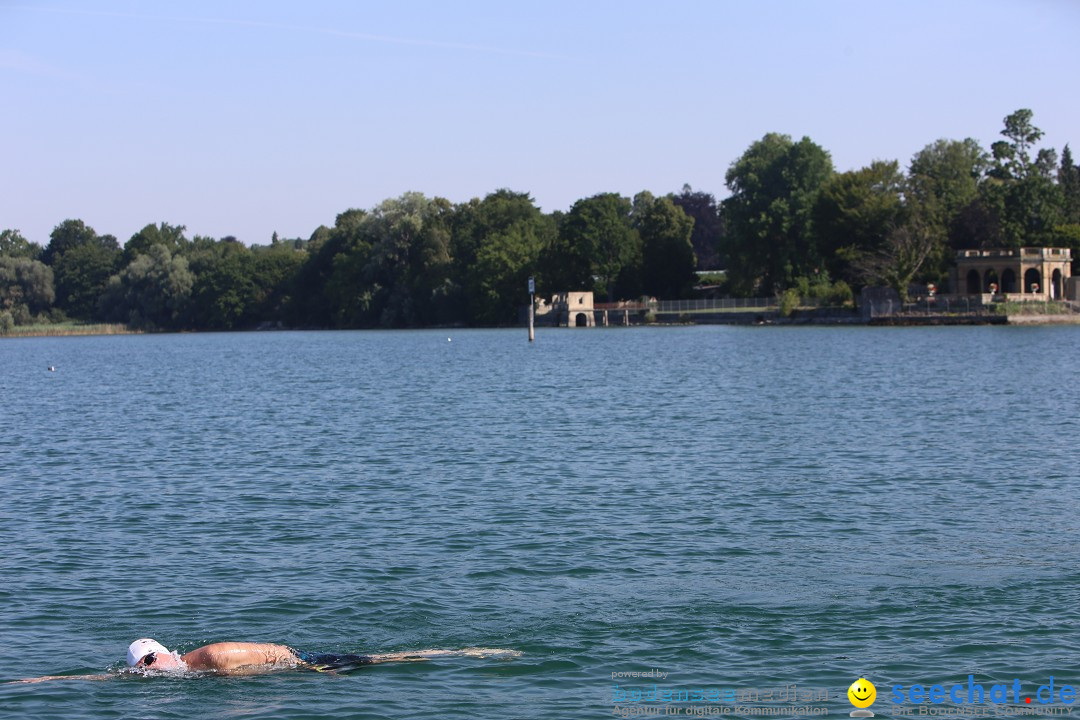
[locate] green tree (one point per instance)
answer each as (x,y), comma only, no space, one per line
(595,242)
(944,177)
(1012,160)
(899,259)
(13,244)
(977,225)
(708,234)
(498,280)
(1067,234)
(943,192)
(347,249)
(389,267)
(312,302)
(1020,191)
(639,206)
(82,262)
(631,281)
(71,234)
(26,287)
(272,271)
(769,215)
(1069,181)
(667,253)
(410,258)
(151,292)
(496,246)
(236,286)
(856,211)
(169,236)
(223,294)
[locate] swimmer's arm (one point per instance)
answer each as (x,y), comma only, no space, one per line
(419,655)
(400,657)
(43,678)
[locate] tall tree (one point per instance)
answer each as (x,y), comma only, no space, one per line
(170,236)
(943,194)
(409,264)
(1021,191)
(82,262)
(237,287)
(151,292)
(774,186)
(272,271)
(667,253)
(312,302)
(26,287)
(1067,234)
(496,246)
(944,177)
(596,241)
(70,234)
(943,182)
(707,238)
(223,293)
(1012,160)
(639,206)
(856,211)
(335,279)
(1069,182)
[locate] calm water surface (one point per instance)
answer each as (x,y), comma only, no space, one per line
(738,507)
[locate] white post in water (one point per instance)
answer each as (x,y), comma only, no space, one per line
(532,304)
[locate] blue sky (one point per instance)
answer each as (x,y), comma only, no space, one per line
(245,118)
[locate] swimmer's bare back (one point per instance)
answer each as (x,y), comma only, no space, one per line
(226,657)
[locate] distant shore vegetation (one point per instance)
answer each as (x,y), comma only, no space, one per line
(792,227)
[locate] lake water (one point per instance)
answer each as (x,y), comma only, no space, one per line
(738,507)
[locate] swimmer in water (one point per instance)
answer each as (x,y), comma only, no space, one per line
(240,658)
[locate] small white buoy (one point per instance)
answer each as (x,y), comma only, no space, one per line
(448,340)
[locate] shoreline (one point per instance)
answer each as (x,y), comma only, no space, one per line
(758,320)
(65,330)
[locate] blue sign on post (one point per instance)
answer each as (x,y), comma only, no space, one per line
(532,286)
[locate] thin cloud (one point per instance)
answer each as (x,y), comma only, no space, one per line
(368,37)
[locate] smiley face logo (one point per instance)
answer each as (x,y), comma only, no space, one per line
(862,693)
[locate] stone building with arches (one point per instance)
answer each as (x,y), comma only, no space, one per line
(568,309)
(1030,273)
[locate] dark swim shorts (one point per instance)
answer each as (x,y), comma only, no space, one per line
(324,662)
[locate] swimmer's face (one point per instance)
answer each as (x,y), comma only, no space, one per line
(158,661)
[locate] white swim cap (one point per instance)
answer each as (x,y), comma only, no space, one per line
(143,647)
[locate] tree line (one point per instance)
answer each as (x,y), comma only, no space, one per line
(791,223)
